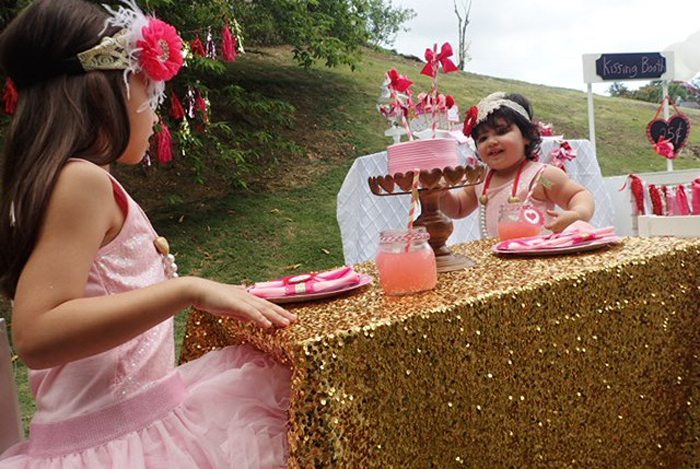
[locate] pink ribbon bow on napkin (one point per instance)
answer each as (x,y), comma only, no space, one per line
(306,283)
(443,58)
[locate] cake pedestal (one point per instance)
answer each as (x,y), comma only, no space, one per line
(431,185)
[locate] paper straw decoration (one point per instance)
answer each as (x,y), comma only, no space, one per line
(414,199)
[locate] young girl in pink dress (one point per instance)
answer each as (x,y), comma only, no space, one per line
(94,288)
(507,141)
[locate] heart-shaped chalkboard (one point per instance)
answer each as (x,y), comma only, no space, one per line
(676,129)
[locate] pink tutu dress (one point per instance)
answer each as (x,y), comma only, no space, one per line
(131,408)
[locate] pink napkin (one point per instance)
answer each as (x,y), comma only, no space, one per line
(576,234)
(304,284)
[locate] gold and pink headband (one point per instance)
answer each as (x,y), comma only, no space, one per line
(143,44)
(479,113)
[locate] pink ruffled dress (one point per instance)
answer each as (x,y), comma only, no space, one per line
(130,407)
(498,196)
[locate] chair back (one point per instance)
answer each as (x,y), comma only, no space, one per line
(11,421)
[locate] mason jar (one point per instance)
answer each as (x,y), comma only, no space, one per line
(516,220)
(406,262)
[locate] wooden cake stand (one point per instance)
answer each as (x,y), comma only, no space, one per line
(431,185)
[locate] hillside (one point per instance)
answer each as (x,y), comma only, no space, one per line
(335,120)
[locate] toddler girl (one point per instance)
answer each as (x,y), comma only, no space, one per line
(94,287)
(507,140)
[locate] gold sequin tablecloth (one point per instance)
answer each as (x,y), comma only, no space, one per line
(586,360)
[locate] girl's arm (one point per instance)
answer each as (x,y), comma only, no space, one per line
(577,201)
(53,323)
(458,204)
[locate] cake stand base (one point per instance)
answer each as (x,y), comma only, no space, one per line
(452,262)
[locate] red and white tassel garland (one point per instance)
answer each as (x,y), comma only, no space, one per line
(10,97)
(229,44)
(165,144)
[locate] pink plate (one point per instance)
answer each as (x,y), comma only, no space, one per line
(581,247)
(364,280)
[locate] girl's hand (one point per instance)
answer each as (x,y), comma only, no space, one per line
(234,302)
(561,220)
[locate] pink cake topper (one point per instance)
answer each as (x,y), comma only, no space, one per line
(396,102)
(434,103)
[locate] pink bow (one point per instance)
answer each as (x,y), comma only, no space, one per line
(664,147)
(398,82)
(563,154)
(470,120)
(443,58)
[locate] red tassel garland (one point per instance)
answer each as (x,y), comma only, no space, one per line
(695,190)
(165,144)
(229,44)
(637,187)
(682,200)
(10,97)
(177,111)
(197,47)
(657,203)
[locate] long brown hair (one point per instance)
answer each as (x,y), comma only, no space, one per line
(57,117)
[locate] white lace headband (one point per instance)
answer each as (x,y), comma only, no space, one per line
(479,113)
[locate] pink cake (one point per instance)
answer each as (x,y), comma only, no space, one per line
(422,154)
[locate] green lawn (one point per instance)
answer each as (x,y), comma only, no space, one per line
(285,222)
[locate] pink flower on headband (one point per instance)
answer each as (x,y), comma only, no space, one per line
(161,50)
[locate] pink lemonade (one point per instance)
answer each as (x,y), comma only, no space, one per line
(406,272)
(517,229)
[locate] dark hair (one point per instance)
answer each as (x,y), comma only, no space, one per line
(527,127)
(81,116)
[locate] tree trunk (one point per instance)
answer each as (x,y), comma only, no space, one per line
(463,22)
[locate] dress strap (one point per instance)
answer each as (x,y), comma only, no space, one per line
(119,193)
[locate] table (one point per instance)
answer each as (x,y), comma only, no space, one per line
(362,216)
(586,360)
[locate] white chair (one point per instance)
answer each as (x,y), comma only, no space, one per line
(11,421)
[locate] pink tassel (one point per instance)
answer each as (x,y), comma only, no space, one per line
(696,196)
(10,97)
(165,144)
(669,199)
(682,200)
(229,44)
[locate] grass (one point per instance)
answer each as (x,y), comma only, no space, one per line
(286,223)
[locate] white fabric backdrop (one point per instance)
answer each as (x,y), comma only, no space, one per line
(362,215)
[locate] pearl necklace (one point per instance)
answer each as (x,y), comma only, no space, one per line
(169,265)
